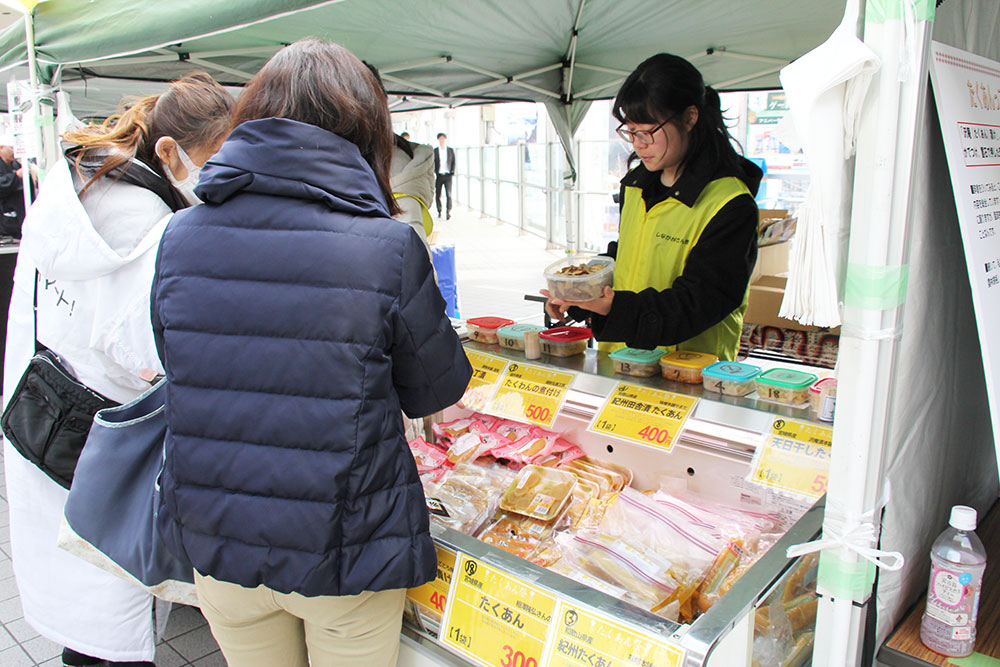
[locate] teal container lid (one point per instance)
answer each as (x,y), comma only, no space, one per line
(731,370)
(633,356)
(782,377)
(518,330)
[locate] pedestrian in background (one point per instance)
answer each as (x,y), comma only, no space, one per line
(296,319)
(444,167)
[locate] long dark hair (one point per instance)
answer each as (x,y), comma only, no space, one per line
(662,87)
(194,110)
(325,85)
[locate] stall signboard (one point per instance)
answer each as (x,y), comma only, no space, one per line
(486,371)
(584,638)
(967,95)
(529,393)
(433,596)
(794,458)
(495,618)
(648,416)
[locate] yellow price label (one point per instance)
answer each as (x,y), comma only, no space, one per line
(494,618)
(433,596)
(584,638)
(795,457)
(648,416)
(531,393)
(486,371)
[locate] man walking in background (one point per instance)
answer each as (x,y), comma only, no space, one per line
(444,168)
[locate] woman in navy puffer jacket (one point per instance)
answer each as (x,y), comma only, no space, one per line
(295,319)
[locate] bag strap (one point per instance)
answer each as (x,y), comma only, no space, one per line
(34,314)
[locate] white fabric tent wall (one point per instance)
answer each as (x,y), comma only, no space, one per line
(935,458)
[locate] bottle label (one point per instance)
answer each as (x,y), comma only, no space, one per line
(947,588)
(953,599)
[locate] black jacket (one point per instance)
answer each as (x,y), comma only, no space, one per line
(451,160)
(11,200)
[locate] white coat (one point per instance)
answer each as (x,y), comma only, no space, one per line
(95,259)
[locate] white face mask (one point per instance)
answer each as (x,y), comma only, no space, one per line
(185,186)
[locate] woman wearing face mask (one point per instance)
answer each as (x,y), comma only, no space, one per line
(90,238)
(687,240)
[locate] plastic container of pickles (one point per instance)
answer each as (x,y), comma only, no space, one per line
(730,378)
(484,329)
(512,335)
(639,363)
(685,365)
(564,341)
(823,396)
(580,278)
(538,492)
(783,385)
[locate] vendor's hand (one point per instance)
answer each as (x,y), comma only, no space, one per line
(556,308)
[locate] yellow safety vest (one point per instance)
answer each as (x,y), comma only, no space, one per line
(425,212)
(653,247)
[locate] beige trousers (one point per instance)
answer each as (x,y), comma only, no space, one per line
(258,627)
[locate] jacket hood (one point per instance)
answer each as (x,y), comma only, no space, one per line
(267,157)
(60,239)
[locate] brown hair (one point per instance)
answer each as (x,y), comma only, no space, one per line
(194,110)
(325,85)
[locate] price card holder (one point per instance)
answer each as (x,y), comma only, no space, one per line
(644,415)
(794,458)
(494,618)
(583,637)
(531,394)
(433,596)
(486,372)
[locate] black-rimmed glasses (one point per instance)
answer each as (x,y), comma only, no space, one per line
(644,137)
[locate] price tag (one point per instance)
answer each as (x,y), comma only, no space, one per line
(433,595)
(494,618)
(641,414)
(531,394)
(584,638)
(486,371)
(795,457)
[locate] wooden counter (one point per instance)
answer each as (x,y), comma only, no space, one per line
(904,648)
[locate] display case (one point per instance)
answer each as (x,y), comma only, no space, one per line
(717,454)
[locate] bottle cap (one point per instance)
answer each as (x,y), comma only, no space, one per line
(963,518)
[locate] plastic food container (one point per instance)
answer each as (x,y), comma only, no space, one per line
(823,395)
(564,341)
(577,278)
(730,378)
(685,365)
(484,329)
(641,363)
(785,386)
(538,492)
(512,335)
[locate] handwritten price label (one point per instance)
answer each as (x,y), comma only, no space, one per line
(647,416)
(433,596)
(584,638)
(486,371)
(494,618)
(795,457)
(531,393)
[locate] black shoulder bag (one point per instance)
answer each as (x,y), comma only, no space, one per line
(50,412)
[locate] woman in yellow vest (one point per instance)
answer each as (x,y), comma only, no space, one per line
(687,240)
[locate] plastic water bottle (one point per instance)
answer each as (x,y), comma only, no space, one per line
(958,560)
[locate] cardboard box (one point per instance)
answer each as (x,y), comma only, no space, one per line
(772,260)
(764,303)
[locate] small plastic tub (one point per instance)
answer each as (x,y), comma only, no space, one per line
(639,363)
(785,386)
(685,365)
(823,396)
(484,329)
(577,278)
(730,378)
(564,341)
(512,335)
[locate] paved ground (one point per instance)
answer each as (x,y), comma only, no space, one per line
(496,267)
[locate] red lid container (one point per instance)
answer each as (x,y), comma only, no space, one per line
(484,329)
(566,334)
(564,341)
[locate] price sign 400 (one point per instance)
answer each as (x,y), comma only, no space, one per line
(512,658)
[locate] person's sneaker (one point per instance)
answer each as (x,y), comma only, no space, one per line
(72,658)
(449,216)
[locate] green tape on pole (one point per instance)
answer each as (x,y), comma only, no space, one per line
(44,120)
(880,11)
(975,660)
(842,579)
(875,287)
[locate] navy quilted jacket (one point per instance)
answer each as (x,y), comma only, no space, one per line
(295,319)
